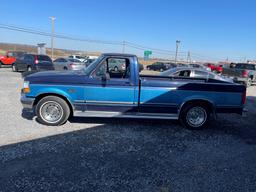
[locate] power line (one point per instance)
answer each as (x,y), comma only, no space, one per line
(118,43)
(26,30)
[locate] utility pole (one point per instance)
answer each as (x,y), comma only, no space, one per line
(177,49)
(52,18)
(189,57)
(124,46)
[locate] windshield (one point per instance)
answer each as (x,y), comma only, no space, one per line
(92,66)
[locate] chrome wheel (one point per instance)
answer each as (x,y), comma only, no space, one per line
(196,116)
(51,112)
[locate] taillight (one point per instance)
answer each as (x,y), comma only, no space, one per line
(244,98)
(245,73)
(36,60)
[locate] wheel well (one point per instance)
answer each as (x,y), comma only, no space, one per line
(39,97)
(206,103)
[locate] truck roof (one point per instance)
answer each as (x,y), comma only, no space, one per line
(119,54)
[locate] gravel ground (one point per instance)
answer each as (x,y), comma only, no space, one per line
(122,154)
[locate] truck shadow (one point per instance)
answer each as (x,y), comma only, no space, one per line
(134,155)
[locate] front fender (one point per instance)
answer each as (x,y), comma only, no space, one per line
(50,90)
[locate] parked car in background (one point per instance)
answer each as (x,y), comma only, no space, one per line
(68,64)
(182,65)
(88,62)
(194,65)
(160,66)
(214,68)
(80,58)
(98,91)
(10,57)
(33,62)
(194,73)
(116,65)
(242,73)
(92,57)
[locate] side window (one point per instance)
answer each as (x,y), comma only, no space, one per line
(21,57)
(26,58)
(116,67)
(56,60)
(10,54)
(201,74)
(185,73)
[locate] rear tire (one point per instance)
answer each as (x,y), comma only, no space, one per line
(195,116)
(52,111)
(249,83)
(14,68)
(0,64)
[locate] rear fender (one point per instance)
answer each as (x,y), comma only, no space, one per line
(198,99)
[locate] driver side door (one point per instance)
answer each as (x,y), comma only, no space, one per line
(110,87)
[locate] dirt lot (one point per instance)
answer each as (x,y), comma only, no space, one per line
(123,154)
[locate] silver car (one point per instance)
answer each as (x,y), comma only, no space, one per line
(194,73)
(68,64)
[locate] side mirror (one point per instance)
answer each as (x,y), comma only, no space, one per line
(105,77)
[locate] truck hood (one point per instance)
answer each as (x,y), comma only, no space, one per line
(57,77)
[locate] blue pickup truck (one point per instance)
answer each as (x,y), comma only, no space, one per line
(100,91)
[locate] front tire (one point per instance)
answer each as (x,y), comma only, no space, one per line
(52,111)
(195,116)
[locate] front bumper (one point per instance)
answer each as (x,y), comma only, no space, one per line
(27,102)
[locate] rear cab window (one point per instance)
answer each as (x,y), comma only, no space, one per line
(117,68)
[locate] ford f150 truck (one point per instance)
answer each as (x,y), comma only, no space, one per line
(242,73)
(98,91)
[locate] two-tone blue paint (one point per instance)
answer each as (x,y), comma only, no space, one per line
(145,94)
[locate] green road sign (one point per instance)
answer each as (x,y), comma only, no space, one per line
(147,53)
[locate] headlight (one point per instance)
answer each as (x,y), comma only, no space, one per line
(26,88)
